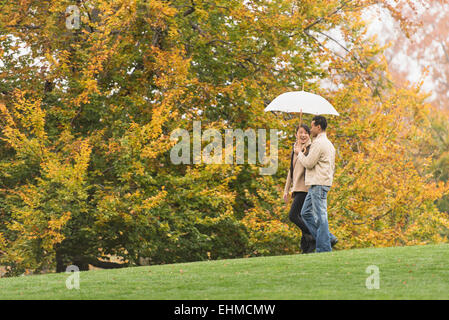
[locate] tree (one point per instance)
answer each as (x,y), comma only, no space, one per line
(86,118)
(426,49)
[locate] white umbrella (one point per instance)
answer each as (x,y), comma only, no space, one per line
(302,102)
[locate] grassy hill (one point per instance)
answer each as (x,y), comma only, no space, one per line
(419,272)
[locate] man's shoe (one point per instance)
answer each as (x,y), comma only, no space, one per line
(334,242)
(312,247)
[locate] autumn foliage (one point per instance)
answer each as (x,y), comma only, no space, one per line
(86,116)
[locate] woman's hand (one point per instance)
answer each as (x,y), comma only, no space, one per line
(286,198)
(298,147)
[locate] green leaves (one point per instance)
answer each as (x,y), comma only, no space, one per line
(85,133)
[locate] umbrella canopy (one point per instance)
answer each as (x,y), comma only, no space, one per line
(303,102)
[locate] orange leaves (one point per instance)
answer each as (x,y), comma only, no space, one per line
(384,195)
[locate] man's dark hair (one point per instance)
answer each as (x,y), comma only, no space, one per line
(320,120)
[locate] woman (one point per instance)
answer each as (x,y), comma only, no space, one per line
(296,179)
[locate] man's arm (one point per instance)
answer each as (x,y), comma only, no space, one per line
(312,158)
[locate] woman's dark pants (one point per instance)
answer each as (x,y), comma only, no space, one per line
(307,240)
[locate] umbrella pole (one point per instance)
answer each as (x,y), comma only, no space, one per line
(300,115)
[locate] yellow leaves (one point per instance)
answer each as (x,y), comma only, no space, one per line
(171,68)
(37,215)
(31,224)
(69,171)
(154,201)
(29,194)
(53,234)
(55,225)
(82,158)
(269,226)
(26,113)
(158,7)
(3,243)
(6,115)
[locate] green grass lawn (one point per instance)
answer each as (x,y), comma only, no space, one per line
(419,272)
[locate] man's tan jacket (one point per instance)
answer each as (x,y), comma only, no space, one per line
(298,181)
(320,162)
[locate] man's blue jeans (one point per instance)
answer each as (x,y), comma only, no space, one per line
(314,213)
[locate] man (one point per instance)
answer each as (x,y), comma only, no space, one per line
(320,167)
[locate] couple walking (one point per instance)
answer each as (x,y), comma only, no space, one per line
(310,177)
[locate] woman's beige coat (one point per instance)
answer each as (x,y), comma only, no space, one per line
(298,181)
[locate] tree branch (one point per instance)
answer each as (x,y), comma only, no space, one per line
(23,26)
(445,52)
(105,264)
(344,3)
(346,49)
(336,54)
(197,28)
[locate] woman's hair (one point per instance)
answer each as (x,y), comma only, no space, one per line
(305,127)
